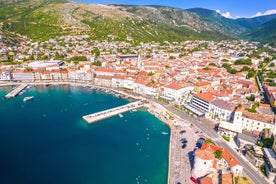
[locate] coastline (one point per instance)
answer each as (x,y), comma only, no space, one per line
(152,107)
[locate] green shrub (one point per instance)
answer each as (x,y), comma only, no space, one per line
(227,138)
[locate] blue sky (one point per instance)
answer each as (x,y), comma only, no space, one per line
(228,8)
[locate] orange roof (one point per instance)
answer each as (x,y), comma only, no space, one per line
(228,157)
(206,180)
(225,154)
(202,83)
(227,179)
(174,86)
(204,154)
(264,106)
(213,147)
(104,69)
(208,97)
(46,72)
(64,71)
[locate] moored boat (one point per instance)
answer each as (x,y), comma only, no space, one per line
(28,98)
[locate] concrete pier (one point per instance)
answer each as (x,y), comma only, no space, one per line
(17,90)
(91,118)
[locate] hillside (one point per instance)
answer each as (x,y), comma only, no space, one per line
(218,21)
(251,23)
(44,19)
(265,33)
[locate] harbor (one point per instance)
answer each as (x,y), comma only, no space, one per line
(16,91)
(91,118)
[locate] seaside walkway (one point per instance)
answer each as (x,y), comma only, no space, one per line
(91,118)
(17,90)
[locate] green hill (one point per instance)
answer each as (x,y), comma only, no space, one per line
(44,19)
(265,33)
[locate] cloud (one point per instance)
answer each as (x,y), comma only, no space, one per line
(227,15)
(268,12)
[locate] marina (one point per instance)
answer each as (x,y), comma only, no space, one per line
(91,118)
(16,91)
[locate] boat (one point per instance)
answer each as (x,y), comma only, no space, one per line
(28,98)
(121,115)
(165,133)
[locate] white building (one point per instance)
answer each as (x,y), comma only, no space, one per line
(221,110)
(177,91)
(254,122)
(203,163)
(201,101)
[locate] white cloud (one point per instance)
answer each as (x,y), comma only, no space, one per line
(227,15)
(268,12)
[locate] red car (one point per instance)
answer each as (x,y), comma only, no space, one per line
(194,180)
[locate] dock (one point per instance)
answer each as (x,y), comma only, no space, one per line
(91,118)
(17,90)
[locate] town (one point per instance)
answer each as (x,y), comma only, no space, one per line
(231,83)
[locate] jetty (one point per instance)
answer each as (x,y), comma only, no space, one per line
(91,118)
(17,90)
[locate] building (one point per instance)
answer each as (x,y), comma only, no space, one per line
(177,91)
(254,122)
(270,164)
(203,163)
(221,110)
(201,101)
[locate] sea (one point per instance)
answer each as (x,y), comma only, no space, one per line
(45,140)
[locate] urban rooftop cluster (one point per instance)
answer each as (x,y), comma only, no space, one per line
(232,83)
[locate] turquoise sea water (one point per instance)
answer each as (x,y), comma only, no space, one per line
(45,140)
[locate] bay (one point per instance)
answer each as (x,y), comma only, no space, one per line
(45,140)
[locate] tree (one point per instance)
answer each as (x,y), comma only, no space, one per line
(29,69)
(218,154)
(96,52)
(271,65)
(208,141)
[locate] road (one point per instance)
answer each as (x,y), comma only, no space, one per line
(248,170)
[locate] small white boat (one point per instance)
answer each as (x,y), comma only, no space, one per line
(121,115)
(28,98)
(165,133)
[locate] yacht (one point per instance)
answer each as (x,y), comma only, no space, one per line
(28,98)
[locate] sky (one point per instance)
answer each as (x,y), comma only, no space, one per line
(228,8)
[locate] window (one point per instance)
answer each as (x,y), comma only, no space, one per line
(204,163)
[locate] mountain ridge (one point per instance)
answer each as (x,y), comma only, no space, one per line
(43,19)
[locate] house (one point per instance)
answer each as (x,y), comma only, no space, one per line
(221,110)
(103,80)
(228,160)
(201,86)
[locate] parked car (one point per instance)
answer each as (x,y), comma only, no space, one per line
(183,140)
(194,180)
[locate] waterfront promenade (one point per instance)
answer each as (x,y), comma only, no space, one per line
(17,90)
(91,118)
(180,159)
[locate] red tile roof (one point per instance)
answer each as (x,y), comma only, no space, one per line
(208,97)
(206,180)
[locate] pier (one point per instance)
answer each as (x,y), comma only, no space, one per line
(91,118)
(17,90)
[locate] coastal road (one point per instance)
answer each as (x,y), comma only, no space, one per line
(207,128)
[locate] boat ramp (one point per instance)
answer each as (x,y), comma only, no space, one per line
(17,90)
(91,118)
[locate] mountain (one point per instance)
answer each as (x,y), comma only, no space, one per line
(251,23)
(44,19)
(219,21)
(265,32)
